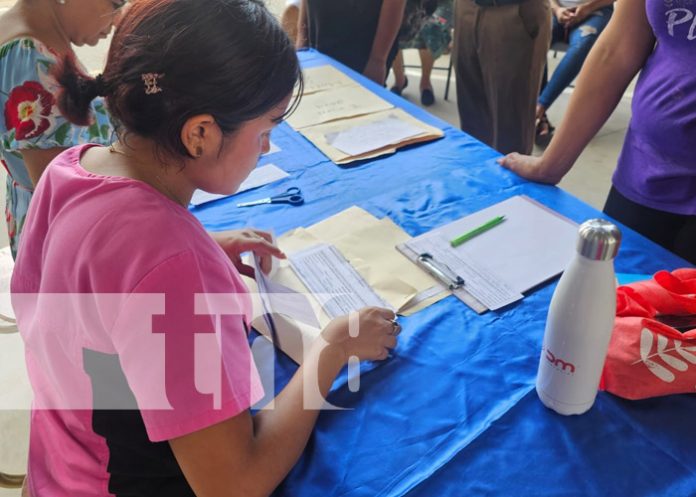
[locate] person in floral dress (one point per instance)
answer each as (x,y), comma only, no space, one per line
(32,130)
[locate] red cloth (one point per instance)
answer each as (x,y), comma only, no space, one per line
(647,358)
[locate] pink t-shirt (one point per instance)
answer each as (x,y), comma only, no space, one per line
(134,321)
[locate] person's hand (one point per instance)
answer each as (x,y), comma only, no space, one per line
(529,167)
(376,70)
(236,242)
(564,15)
(374,334)
(581,13)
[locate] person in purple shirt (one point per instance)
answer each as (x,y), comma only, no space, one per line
(654,185)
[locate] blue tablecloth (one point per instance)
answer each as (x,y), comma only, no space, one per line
(454,412)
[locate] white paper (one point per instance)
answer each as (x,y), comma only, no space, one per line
(280,299)
(324,78)
(373,136)
(272,150)
(333,281)
(260,176)
(479,280)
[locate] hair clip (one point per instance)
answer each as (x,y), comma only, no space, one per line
(150,80)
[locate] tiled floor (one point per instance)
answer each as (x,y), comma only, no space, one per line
(589,180)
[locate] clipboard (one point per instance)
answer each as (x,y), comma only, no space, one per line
(533,245)
(459,292)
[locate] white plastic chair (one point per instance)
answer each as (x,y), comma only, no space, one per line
(15,390)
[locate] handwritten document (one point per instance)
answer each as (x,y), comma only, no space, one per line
(333,281)
(324,78)
(260,176)
(339,103)
(373,136)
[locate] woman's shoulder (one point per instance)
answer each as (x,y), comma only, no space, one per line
(26,47)
(24,59)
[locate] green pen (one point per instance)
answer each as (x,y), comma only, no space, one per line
(477,231)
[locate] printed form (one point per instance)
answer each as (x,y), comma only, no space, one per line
(334,282)
(488,289)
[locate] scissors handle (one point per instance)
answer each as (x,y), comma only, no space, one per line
(292,200)
(292,196)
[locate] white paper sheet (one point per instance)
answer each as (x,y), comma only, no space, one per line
(338,103)
(273,149)
(333,281)
(373,136)
(280,299)
(532,245)
(479,280)
(324,78)
(260,176)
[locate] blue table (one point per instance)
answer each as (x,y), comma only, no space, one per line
(454,412)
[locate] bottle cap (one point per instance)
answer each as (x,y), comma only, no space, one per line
(599,240)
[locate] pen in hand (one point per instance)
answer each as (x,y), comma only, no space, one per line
(456,242)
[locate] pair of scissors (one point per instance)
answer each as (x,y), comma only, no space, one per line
(292,196)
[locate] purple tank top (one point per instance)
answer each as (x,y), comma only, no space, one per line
(657,166)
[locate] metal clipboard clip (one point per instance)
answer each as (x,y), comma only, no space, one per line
(440,271)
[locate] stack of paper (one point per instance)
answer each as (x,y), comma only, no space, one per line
(347,122)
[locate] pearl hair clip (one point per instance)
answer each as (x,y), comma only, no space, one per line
(151,79)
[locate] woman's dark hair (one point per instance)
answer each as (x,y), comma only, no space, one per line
(227,58)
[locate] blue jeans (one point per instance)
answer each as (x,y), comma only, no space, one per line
(580,40)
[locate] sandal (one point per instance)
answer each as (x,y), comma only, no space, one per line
(397,90)
(543,132)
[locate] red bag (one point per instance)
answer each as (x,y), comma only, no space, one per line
(648,356)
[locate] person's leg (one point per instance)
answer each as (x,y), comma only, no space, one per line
(513,43)
(557,35)
(582,38)
(472,102)
(289,21)
(426,87)
(400,80)
(427,63)
(675,232)
(685,241)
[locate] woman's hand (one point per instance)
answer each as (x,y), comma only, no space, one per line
(564,15)
(376,70)
(530,167)
(582,12)
(236,242)
(374,333)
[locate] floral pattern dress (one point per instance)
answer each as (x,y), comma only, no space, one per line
(431,31)
(30,119)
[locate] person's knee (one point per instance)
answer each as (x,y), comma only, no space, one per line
(585,38)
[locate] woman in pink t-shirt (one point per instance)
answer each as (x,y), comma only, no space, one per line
(134,317)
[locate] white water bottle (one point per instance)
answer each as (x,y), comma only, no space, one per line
(579,323)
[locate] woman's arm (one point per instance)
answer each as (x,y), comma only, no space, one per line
(302,37)
(390,18)
(36,161)
(249,456)
(583,11)
(620,52)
